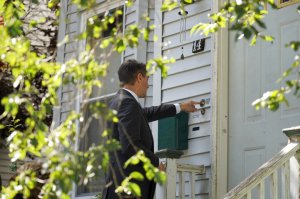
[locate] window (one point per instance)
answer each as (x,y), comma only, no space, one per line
(283,3)
(92,128)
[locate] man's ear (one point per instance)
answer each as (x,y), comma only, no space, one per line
(139,76)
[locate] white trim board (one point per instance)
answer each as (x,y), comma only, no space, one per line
(220,109)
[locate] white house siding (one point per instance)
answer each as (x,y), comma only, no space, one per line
(5,171)
(190,79)
(150,51)
(130,19)
(68,27)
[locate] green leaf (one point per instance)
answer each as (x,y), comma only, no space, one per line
(33,23)
(261,24)
(42,20)
(273,106)
(150,174)
(193,29)
(118,12)
(267,38)
(137,175)
(120,45)
(271,1)
(247,33)
(105,43)
(111,19)
(295,45)
(136,190)
(187,1)
(253,41)
(53,3)
(168,5)
(2,126)
(134,160)
(129,3)
(119,189)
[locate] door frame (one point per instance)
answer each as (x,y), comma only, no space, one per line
(220,96)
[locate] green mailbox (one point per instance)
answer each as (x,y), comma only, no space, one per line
(173,132)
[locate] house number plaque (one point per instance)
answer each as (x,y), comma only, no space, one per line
(198,45)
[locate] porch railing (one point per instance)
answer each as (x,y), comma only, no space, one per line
(279,163)
(174,169)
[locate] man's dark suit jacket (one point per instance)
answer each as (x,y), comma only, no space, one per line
(133,133)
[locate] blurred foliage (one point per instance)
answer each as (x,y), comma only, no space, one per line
(273,99)
(34,23)
(244,17)
(152,173)
(55,145)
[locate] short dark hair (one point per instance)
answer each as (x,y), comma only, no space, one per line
(129,70)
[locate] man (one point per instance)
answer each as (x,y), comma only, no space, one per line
(133,131)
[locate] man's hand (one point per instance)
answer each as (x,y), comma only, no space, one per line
(162,166)
(188,106)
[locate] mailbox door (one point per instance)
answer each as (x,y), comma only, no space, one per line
(173,132)
(166,133)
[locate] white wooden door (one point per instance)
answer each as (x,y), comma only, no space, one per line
(255,136)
